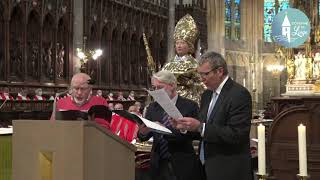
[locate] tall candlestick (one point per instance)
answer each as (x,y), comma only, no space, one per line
(261,150)
(253,81)
(302,150)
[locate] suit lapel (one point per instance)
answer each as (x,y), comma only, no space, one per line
(220,100)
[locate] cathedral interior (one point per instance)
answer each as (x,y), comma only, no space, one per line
(44,42)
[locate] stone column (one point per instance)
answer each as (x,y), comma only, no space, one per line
(215,21)
(78,22)
(171,25)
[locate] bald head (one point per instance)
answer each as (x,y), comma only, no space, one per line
(80,78)
(80,88)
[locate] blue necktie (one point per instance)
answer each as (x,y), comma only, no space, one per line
(210,108)
(163,143)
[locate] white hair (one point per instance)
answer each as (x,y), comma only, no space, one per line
(165,77)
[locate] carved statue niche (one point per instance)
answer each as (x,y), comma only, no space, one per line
(16,43)
(115,57)
(105,46)
(134,59)
(48,48)
(47,60)
(60,60)
(33,39)
(124,58)
(62,51)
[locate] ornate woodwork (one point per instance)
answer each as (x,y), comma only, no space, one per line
(283,137)
(36,39)
(116,27)
(36,42)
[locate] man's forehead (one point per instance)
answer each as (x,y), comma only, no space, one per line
(80,83)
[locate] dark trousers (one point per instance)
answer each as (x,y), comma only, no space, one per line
(165,171)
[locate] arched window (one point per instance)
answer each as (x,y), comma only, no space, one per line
(232,19)
(271,7)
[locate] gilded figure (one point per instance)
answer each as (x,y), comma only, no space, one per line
(184,65)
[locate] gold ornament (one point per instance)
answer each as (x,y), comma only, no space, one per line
(186,29)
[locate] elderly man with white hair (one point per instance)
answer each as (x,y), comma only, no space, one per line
(172,156)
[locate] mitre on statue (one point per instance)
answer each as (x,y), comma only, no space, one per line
(186,29)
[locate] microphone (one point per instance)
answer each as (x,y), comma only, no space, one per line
(54,109)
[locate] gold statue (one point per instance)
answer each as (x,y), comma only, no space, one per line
(290,64)
(184,65)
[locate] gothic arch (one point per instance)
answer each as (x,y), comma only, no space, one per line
(16,44)
(62,49)
(134,58)
(48,47)
(105,61)
(142,64)
(93,44)
(124,58)
(33,45)
(115,57)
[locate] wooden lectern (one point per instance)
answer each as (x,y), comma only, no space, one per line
(69,150)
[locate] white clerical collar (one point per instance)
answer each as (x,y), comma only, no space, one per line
(218,90)
(181,58)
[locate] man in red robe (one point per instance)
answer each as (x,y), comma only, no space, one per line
(81,99)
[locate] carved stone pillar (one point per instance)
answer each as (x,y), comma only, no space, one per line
(215,20)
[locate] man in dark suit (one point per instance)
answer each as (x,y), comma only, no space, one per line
(172,156)
(225,115)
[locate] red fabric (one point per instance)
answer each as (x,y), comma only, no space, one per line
(67,104)
(127,129)
(3,97)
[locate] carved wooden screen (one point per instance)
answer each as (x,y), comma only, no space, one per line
(62,48)
(93,43)
(35,43)
(115,58)
(16,48)
(124,59)
(121,24)
(33,46)
(48,49)
(134,60)
(105,59)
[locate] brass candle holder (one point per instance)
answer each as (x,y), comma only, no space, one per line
(301,177)
(262,176)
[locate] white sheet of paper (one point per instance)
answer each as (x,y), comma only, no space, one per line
(6,130)
(155,126)
(165,102)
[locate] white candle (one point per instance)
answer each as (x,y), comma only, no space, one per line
(244,82)
(261,150)
(302,150)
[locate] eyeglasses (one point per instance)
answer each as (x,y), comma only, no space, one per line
(156,88)
(205,74)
